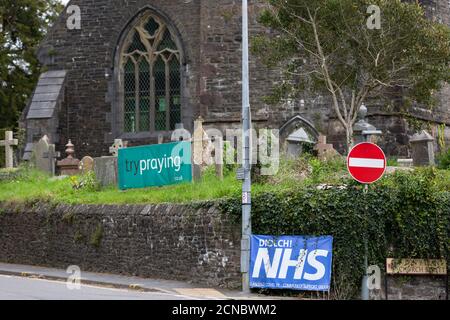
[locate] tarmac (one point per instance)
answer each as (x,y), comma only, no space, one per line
(133,283)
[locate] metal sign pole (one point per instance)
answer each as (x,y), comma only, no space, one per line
(364,287)
(246,145)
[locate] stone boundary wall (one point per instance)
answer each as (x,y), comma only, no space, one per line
(167,241)
(174,242)
(416,287)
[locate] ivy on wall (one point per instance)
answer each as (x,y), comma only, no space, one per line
(405,215)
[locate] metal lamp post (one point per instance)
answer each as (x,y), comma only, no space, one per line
(364,131)
(246,145)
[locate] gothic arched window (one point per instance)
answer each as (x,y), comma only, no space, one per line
(151,75)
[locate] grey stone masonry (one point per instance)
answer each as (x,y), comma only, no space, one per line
(105,169)
(196,243)
(416,288)
(209,33)
(174,242)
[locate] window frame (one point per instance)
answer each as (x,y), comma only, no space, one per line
(151,56)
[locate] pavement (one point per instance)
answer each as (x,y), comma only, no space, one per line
(31,282)
(23,288)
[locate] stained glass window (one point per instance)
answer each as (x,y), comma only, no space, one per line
(151,78)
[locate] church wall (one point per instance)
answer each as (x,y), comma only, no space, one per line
(88,54)
(221,59)
(220,93)
(211,35)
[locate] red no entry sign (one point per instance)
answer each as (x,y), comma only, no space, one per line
(366,163)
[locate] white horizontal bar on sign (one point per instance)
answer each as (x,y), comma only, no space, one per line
(366,163)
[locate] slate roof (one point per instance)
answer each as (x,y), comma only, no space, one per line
(46,95)
(28,152)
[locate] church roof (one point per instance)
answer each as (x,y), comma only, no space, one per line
(46,95)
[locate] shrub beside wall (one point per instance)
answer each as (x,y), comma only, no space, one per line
(406,215)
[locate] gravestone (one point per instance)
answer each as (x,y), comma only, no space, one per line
(69,166)
(423,149)
(44,155)
(160,139)
(323,149)
(214,149)
(9,152)
(197,147)
(86,165)
(218,155)
(118,144)
(52,155)
(105,169)
(39,150)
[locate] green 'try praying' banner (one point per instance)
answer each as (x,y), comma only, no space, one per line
(155,165)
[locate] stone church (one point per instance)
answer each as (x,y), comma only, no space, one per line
(138,69)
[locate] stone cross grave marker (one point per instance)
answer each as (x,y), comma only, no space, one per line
(324,149)
(114,149)
(51,155)
(9,153)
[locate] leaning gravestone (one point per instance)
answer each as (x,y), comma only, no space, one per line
(105,169)
(423,149)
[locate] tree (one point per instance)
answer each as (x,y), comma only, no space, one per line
(23,24)
(331,47)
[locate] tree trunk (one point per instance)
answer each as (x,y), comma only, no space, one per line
(349,137)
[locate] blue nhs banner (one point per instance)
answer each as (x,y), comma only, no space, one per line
(299,263)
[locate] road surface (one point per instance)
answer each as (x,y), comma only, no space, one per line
(19,288)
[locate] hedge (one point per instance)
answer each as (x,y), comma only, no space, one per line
(406,215)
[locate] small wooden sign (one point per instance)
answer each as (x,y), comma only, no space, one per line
(416,266)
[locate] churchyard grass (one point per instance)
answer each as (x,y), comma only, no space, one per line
(34,186)
(38,186)
(30,186)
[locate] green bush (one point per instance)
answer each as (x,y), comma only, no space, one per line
(392,162)
(86,182)
(406,215)
(444,160)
